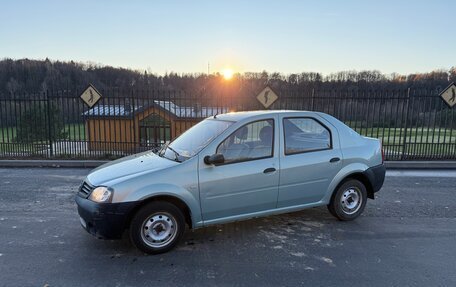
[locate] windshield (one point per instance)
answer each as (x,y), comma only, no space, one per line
(194,139)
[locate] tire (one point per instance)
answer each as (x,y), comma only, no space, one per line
(157,227)
(349,200)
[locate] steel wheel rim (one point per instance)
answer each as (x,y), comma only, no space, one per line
(351,200)
(159,229)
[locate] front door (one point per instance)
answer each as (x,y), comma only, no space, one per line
(247,182)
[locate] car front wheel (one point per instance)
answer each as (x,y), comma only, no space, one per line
(157,227)
(349,200)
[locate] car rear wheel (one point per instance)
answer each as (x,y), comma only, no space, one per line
(157,227)
(349,200)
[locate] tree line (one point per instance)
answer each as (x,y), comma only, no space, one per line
(34,76)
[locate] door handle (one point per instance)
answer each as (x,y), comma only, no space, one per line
(334,159)
(269,170)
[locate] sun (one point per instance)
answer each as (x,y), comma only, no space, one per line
(227,74)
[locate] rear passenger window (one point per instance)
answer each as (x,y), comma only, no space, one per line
(304,135)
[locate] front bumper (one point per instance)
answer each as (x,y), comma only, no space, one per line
(104,220)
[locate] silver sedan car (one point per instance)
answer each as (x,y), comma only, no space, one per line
(232,167)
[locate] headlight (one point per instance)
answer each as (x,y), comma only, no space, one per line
(101,194)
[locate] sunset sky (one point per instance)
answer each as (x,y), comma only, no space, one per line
(285,36)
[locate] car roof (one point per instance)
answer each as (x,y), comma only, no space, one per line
(238,116)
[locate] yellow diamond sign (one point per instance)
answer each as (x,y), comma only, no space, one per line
(90,96)
(449,95)
(267,97)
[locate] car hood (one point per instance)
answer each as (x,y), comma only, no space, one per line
(128,166)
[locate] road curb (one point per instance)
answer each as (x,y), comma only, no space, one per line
(94,163)
(420,164)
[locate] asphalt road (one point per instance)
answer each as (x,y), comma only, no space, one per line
(406,237)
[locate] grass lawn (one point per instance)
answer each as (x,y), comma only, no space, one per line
(74,132)
(7,134)
(419,141)
(391,136)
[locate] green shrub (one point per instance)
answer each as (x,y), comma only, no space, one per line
(34,124)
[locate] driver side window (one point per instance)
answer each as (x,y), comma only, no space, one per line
(249,142)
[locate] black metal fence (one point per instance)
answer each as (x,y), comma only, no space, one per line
(412,124)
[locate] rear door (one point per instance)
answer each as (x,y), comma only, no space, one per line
(310,157)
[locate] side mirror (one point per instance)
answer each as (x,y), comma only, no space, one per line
(217,158)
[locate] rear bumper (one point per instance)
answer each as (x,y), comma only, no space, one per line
(376,176)
(104,220)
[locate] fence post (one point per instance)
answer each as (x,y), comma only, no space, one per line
(404,143)
(48,111)
(313,94)
(136,142)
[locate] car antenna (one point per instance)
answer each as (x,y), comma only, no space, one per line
(215,116)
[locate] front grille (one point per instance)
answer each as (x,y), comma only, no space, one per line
(85,189)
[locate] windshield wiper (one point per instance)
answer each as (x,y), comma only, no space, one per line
(176,154)
(163,150)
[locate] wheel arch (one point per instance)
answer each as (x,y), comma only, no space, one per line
(360,176)
(179,203)
(353,171)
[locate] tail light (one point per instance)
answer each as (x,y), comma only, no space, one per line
(383,152)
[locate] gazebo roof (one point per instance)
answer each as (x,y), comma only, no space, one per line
(126,111)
